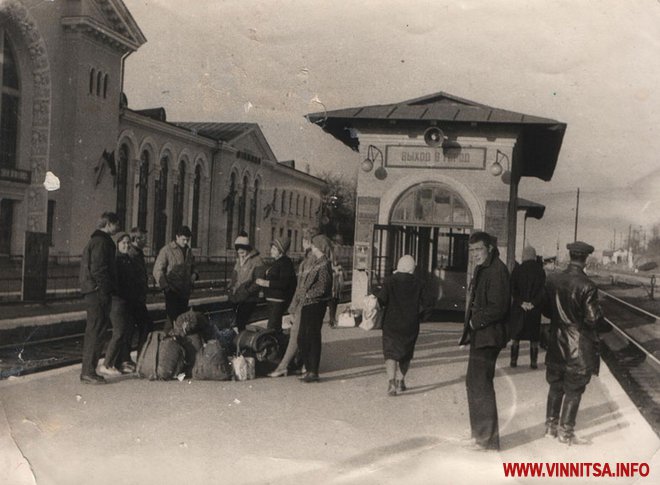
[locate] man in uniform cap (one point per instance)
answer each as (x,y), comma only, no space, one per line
(573,349)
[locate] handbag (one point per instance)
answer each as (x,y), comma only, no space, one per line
(346,319)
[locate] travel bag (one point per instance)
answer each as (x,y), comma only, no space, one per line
(161,358)
(266,345)
(211,363)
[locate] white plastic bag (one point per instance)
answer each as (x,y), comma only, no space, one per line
(372,314)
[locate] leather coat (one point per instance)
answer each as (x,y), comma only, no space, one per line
(572,305)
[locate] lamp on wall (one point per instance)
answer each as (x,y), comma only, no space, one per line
(373,155)
(496,169)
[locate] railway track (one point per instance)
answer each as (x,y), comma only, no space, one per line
(632,352)
(35,356)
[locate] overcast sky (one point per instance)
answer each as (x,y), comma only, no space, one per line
(591,64)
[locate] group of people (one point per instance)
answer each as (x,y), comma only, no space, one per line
(305,295)
(502,307)
(114,282)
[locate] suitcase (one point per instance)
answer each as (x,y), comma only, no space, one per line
(267,346)
(161,358)
(211,363)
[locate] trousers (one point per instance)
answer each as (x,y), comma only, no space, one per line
(309,335)
(481,396)
(98,322)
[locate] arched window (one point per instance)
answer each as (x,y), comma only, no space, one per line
(197,187)
(290,202)
(242,205)
(143,190)
(274,200)
(122,184)
(92,77)
(160,205)
(229,209)
(311,208)
(253,211)
(179,193)
(298,204)
(431,204)
(304,206)
(105,86)
(9,105)
(99,84)
(282,204)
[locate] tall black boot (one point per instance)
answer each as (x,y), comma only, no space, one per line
(567,421)
(553,408)
(515,348)
(533,354)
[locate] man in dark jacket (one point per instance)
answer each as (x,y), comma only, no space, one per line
(98,282)
(485,330)
(174,273)
(573,350)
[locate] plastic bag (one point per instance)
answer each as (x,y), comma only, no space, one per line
(372,314)
(243,368)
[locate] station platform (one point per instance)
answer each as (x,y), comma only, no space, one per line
(344,429)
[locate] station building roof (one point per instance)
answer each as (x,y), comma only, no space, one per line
(540,142)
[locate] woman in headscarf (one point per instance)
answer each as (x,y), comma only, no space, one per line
(527,290)
(404,298)
(317,290)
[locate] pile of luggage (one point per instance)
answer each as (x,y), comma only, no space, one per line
(197,349)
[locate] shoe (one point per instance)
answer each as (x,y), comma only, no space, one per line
(401,386)
(108,371)
(127,368)
(391,388)
(301,373)
(310,377)
(571,439)
(93,379)
(278,373)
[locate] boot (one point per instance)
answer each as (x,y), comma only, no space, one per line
(567,422)
(401,386)
(515,348)
(553,408)
(533,355)
(391,389)
(551,427)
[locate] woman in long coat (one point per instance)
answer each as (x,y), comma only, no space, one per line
(527,291)
(403,297)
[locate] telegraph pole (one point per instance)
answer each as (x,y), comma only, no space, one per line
(577,210)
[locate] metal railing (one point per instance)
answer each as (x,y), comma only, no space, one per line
(63,274)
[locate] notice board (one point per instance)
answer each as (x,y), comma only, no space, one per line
(496,220)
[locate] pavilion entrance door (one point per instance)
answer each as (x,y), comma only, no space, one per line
(432,224)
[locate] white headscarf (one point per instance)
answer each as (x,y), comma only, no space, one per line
(406,264)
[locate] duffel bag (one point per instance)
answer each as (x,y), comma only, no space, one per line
(191,345)
(266,345)
(161,358)
(211,363)
(190,322)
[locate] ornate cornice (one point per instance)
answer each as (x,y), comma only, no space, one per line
(96,30)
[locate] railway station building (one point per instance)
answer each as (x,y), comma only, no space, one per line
(431,171)
(63,111)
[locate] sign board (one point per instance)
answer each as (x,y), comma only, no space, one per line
(35,266)
(496,220)
(367,215)
(406,156)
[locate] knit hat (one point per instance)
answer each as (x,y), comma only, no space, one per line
(529,253)
(323,244)
(121,235)
(309,232)
(406,264)
(282,244)
(242,242)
